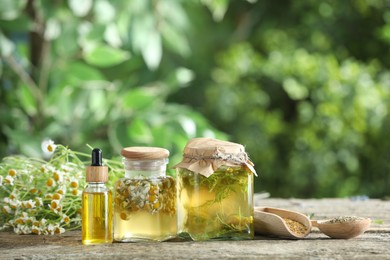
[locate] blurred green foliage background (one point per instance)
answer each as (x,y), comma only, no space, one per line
(304,85)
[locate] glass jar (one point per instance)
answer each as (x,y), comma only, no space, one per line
(145,199)
(215,191)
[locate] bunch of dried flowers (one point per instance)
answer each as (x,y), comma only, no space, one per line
(43,197)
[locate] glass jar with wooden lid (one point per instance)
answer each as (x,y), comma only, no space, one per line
(145,199)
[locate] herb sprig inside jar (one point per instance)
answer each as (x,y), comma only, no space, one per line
(215,191)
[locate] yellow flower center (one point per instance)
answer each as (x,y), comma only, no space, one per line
(124,216)
(56,176)
(56,196)
(54,204)
(50,182)
(152,198)
(156,205)
(12,172)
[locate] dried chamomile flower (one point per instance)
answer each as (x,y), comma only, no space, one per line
(142,194)
(48,146)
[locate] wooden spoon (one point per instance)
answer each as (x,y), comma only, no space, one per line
(342,227)
(271,221)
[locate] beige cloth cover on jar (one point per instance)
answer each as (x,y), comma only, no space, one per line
(206,155)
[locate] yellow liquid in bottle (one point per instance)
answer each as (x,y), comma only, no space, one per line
(96,217)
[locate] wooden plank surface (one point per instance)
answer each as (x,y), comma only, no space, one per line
(374,244)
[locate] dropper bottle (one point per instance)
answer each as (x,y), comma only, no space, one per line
(96,203)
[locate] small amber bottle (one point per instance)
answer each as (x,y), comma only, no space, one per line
(96,204)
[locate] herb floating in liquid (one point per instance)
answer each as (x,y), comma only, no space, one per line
(152,195)
(145,209)
(217,206)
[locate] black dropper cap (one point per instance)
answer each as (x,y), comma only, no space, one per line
(96,172)
(96,158)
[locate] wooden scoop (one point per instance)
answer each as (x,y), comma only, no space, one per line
(271,221)
(347,228)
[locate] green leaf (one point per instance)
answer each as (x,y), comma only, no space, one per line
(148,40)
(188,125)
(53,30)
(23,140)
(80,8)
(295,90)
(184,75)
(175,27)
(66,43)
(61,101)
(10,9)
(179,78)
(20,24)
(111,35)
(139,131)
(27,100)
(217,7)
(152,50)
(78,72)
(98,104)
(175,40)
(104,11)
(90,36)
(106,56)
(162,134)
(139,99)
(6,46)
(122,24)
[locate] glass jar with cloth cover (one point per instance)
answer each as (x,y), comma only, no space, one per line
(215,191)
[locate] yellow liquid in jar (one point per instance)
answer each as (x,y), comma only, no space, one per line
(96,217)
(143,226)
(145,209)
(217,207)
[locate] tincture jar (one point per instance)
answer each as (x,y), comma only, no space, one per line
(215,191)
(145,199)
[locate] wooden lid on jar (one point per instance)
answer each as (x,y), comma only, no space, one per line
(144,153)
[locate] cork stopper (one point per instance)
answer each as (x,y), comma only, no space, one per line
(96,172)
(144,153)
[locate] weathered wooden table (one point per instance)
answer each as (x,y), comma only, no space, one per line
(374,244)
